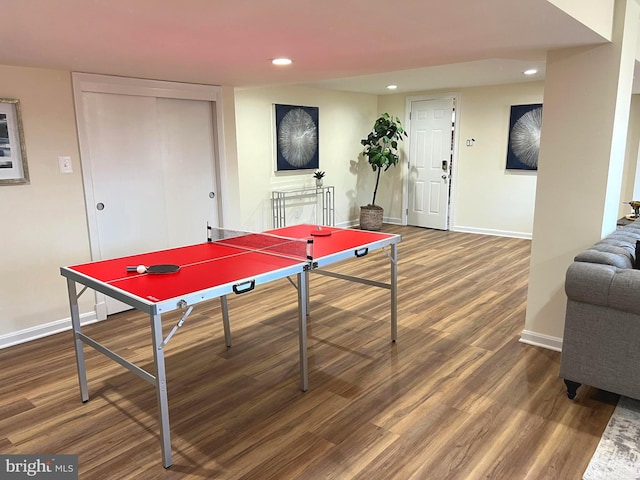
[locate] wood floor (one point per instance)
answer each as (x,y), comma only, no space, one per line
(458,397)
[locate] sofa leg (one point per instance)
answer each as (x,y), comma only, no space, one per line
(572,388)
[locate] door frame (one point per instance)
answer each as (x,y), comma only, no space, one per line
(454,158)
(85,82)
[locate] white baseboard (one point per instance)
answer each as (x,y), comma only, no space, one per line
(488,231)
(392,220)
(33,333)
(541,340)
(356,222)
(348,224)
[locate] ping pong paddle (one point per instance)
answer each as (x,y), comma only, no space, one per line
(157,269)
(319,232)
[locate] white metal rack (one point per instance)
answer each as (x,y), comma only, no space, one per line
(322,197)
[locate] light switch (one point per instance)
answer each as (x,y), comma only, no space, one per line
(65,164)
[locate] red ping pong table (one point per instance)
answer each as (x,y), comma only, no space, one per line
(215,269)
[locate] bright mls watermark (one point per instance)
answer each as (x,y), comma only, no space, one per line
(49,467)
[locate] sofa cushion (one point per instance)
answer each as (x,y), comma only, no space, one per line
(615,259)
(622,235)
(632,227)
(619,243)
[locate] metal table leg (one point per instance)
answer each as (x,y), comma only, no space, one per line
(308,292)
(77,330)
(303,280)
(161,389)
(225,320)
(394,292)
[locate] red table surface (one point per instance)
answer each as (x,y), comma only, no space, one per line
(341,239)
(211,264)
(204,266)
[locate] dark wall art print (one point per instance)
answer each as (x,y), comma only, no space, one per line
(296,138)
(524,137)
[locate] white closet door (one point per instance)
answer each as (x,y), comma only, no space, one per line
(187,151)
(127,174)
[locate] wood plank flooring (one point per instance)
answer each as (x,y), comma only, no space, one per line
(458,397)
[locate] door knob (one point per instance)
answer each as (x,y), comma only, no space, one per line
(100,206)
(212,194)
(444,177)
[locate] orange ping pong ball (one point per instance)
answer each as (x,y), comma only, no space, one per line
(141,269)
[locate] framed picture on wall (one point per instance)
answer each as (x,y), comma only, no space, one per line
(296,138)
(524,137)
(13,155)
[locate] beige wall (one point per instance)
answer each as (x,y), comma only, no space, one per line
(490,198)
(228,163)
(43,224)
(344,119)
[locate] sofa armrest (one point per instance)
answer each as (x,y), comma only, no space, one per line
(604,285)
(589,282)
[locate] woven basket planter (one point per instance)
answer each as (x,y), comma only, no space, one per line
(371,217)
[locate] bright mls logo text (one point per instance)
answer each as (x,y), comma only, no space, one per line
(39,466)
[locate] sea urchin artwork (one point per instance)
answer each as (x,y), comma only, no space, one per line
(524,137)
(297,137)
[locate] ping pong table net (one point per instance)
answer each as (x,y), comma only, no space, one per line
(293,248)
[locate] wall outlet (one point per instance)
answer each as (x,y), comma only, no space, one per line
(65,164)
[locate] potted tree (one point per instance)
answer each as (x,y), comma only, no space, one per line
(381,150)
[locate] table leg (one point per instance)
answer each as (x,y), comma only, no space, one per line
(394,292)
(308,292)
(303,284)
(75,323)
(161,390)
(225,320)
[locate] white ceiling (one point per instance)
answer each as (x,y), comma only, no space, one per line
(354,45)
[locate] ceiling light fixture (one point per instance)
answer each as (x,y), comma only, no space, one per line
(531,71)
(392,87)
(281,61)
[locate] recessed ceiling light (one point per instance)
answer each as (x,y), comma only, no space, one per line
(392,87)
(281,61)
(531,71)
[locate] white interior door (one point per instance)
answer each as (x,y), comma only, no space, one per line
(126,174)
(151,163)
(189,174)
(430,144)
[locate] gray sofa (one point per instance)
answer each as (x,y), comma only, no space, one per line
(601,344)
